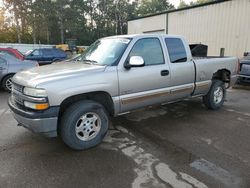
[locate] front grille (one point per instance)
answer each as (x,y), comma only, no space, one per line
(17,99)
(15,102)
(16,91)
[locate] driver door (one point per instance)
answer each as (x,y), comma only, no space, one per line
(147,85)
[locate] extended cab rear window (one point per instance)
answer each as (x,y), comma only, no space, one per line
(176,50)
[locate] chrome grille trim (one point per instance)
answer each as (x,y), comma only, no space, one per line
(18,96)
(16,99)
(28,98)
(17,87)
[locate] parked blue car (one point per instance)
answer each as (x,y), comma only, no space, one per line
(46,56)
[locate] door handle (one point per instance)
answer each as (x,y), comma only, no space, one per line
(164,72)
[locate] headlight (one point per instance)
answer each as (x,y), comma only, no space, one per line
(34,92)
(36,106)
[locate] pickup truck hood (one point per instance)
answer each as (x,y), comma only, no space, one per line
(50,73)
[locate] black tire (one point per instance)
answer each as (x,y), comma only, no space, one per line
(210,100)
(71,118)
(5,83)
(56,60)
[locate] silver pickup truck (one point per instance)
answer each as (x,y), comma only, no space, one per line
(115,76)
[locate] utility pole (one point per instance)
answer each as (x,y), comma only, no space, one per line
(16,16)
(60,15)
(61,22)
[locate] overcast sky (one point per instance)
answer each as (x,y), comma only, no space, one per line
(176,2)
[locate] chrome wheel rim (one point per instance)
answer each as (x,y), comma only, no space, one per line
(8,84)
(218,95)
(88,126)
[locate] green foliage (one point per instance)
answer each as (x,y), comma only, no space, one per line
(200,2)
(182,4)
(8,35)
(192,3)
(153,6)
(53,21)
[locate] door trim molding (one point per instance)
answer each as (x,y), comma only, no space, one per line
(144,97)
(156,94)
(184,89)
(203,84)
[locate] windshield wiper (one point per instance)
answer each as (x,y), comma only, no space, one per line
(89,61)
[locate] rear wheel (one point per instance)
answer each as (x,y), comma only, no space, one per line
(84,125)
(7,83)
(216,95)
(55,60)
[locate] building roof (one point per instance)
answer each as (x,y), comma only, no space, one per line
(181,9)
(143,35)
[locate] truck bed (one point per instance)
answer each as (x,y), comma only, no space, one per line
(203,71)
(209,57)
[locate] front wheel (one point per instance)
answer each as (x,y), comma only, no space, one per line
(84,125)
(7,83)
(216,96)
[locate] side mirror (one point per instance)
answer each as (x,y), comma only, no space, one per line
(135,61)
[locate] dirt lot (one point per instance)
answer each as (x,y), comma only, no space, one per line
(179,145)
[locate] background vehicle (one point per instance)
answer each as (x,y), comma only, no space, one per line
(46,56)
(244,74)
(115,76)
(74,59)
(70,47)
(13,52)
(10,65)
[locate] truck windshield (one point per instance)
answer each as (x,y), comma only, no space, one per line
(105,51)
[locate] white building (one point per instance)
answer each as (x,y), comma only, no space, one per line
(224,24)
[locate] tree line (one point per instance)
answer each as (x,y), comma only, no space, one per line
(54,21)
(183,4)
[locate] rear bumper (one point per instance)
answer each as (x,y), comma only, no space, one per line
(244,76)
(44,122)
